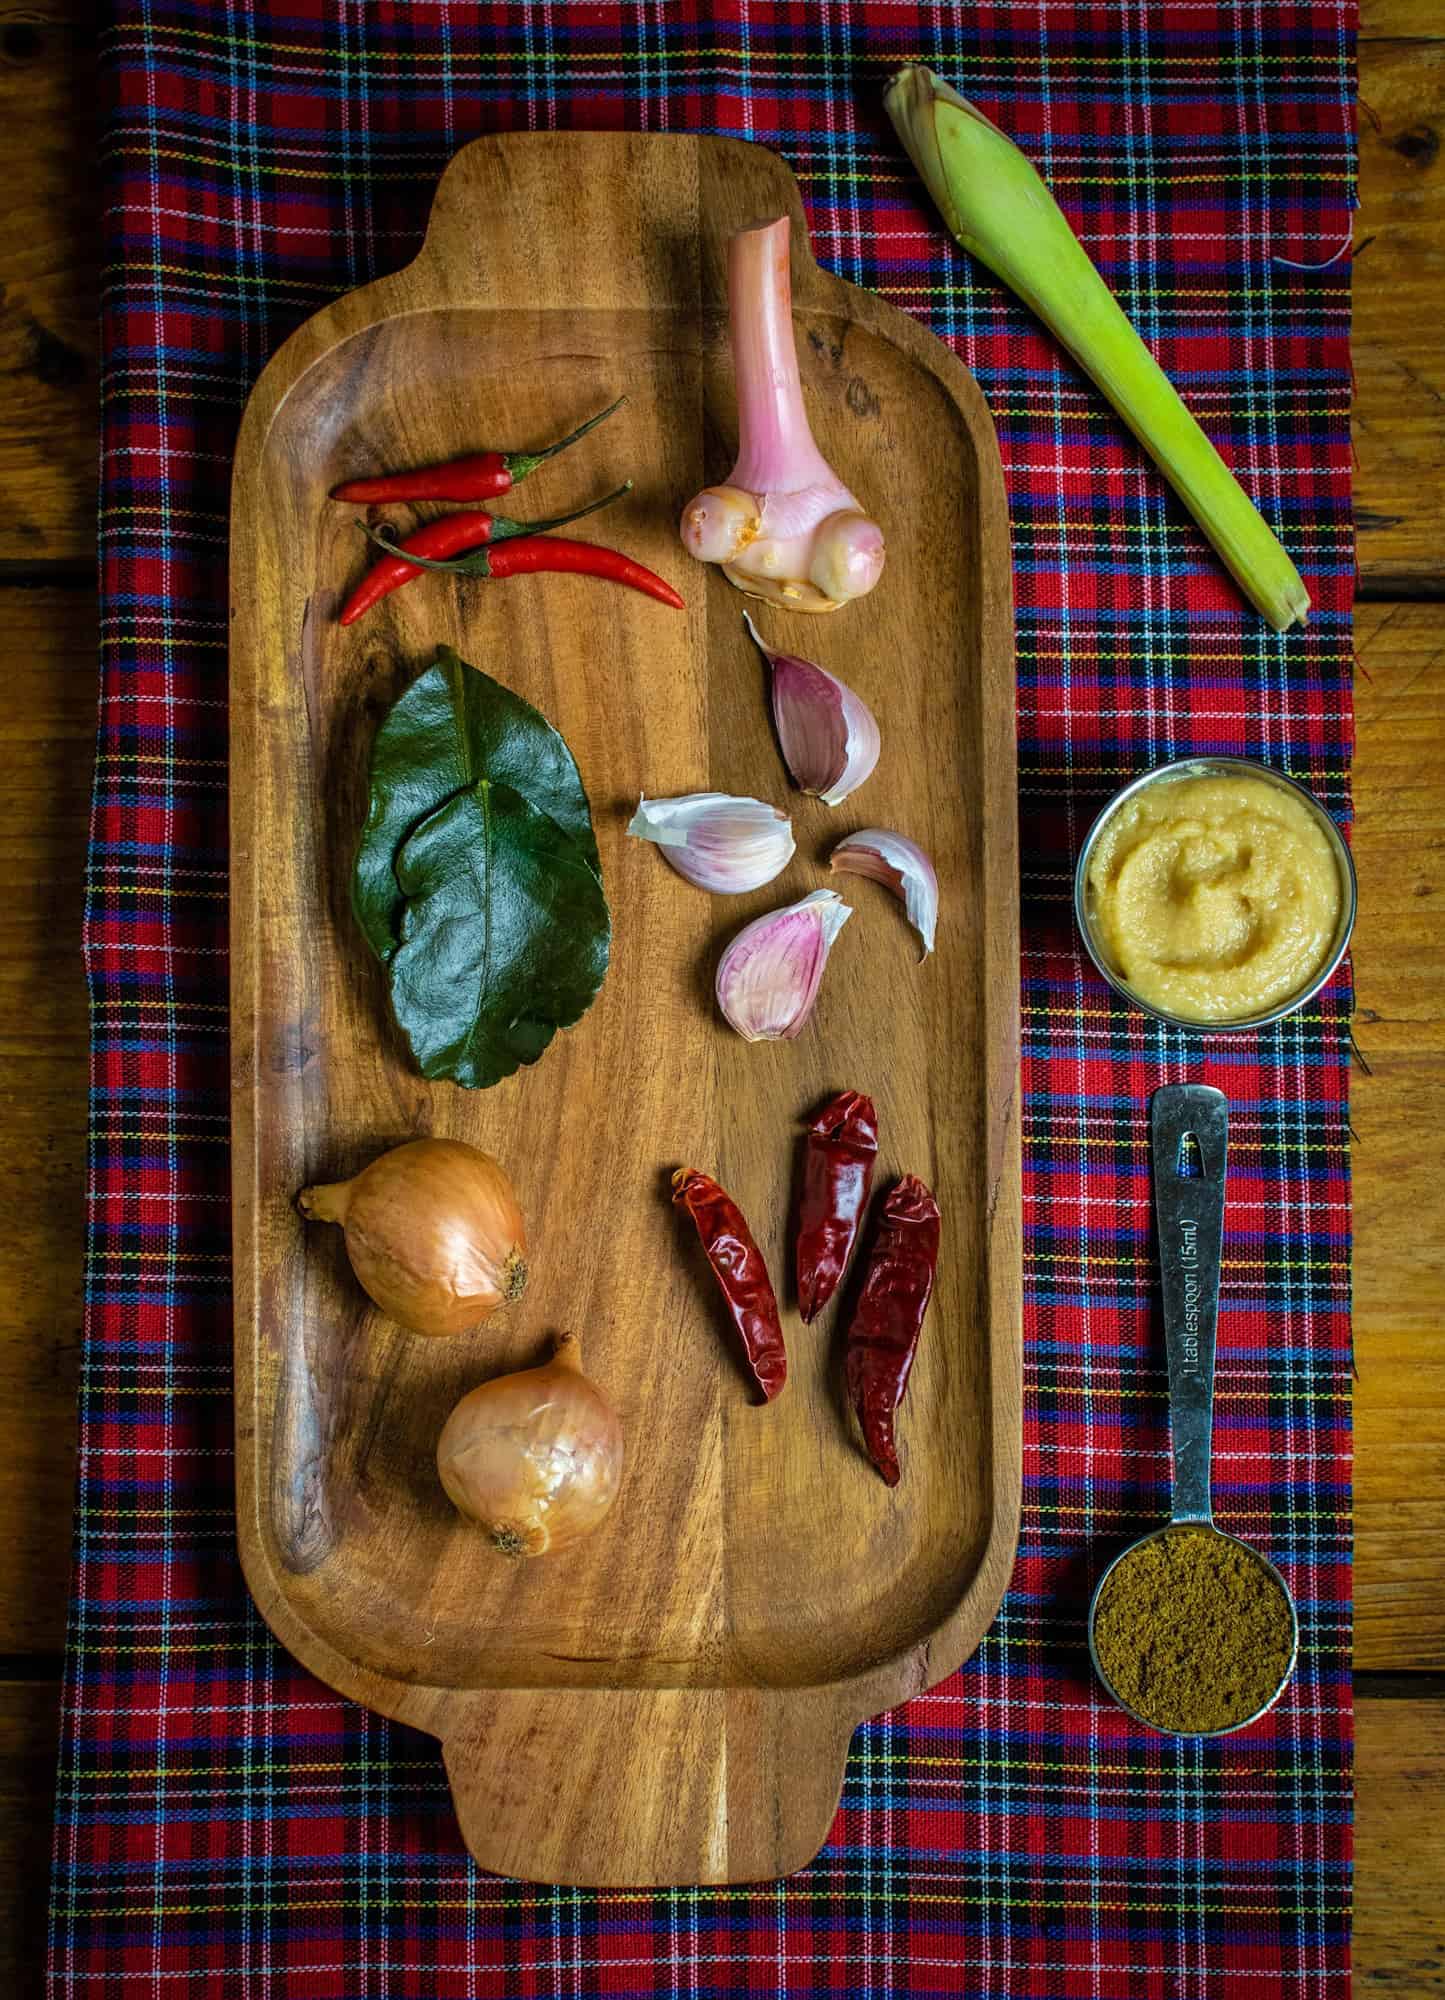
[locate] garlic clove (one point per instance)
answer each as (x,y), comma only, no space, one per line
(768,977)
(828,735)
(899,864)
(725,844)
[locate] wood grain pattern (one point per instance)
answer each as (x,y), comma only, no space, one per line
(49,281)
(1399,1934)
(1396,1097)
(47,735)
(757,1591)
(1388,20)
(29,1726)
(1399,358)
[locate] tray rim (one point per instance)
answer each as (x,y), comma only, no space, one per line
(855,1696)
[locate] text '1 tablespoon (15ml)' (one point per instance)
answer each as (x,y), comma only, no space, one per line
(1190,1630)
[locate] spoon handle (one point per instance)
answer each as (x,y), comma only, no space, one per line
(1188,1133)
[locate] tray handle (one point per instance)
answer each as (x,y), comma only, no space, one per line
(646,1786)
(572,243)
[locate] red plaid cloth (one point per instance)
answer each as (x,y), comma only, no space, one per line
(225,1825)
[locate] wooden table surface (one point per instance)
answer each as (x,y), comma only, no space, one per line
(49,285)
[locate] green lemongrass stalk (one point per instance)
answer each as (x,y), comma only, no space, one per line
(1000,210)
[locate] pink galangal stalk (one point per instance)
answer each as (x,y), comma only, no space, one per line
(784,526)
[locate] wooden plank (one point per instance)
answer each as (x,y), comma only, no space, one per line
(1399,356)
(1399,1189)
(1385,20)
(1399,1863)
(49,259)
(47,406)
(1399,1855)
(49,281)
(29,1723)
(1399,1859)
(1391,19)
(47,729)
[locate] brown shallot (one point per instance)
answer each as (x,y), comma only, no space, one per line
(534,1458)
(433,1231)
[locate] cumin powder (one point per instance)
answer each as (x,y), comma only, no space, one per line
(1192,1632)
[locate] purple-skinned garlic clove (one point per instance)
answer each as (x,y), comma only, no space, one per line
(724,844)
(828,734)
(768,977)
(899,864)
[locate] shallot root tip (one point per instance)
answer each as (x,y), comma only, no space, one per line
(328,1201)
(511,1542)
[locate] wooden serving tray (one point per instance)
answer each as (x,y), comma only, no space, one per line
(672,1701)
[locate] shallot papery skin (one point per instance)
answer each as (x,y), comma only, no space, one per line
(782,525)
(433,1232)
(534,1458)
(899,864)
(768,978)
(716,841)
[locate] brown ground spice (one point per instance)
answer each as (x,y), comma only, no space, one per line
(1193,1632)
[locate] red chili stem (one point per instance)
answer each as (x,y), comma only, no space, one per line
(739,1268)
(443,537)
(481,475)
(888,1317)
(842,1146)
(428,547)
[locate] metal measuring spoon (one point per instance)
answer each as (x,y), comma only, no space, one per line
(1191,1120)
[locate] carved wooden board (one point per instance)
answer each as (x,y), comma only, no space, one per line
(671,1702)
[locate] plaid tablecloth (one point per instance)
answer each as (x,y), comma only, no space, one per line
(227,1827)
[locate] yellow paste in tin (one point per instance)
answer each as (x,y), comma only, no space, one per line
(1214,898)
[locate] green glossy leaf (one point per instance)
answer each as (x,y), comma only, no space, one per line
(505,935)
(453,726)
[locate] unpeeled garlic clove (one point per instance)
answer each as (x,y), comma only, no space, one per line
(899,864)
(828,735)
(768,977)
(718,842)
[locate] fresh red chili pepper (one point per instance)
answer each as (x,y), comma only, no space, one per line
(555,552)
(837,1174)
(738,1267)
(429,546)
(888,1318)
(524,558)
(482,475)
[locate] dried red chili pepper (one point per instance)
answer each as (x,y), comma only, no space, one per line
(738,1267)
(428,546)
(838,1162)
(482,475)
(888,1318)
